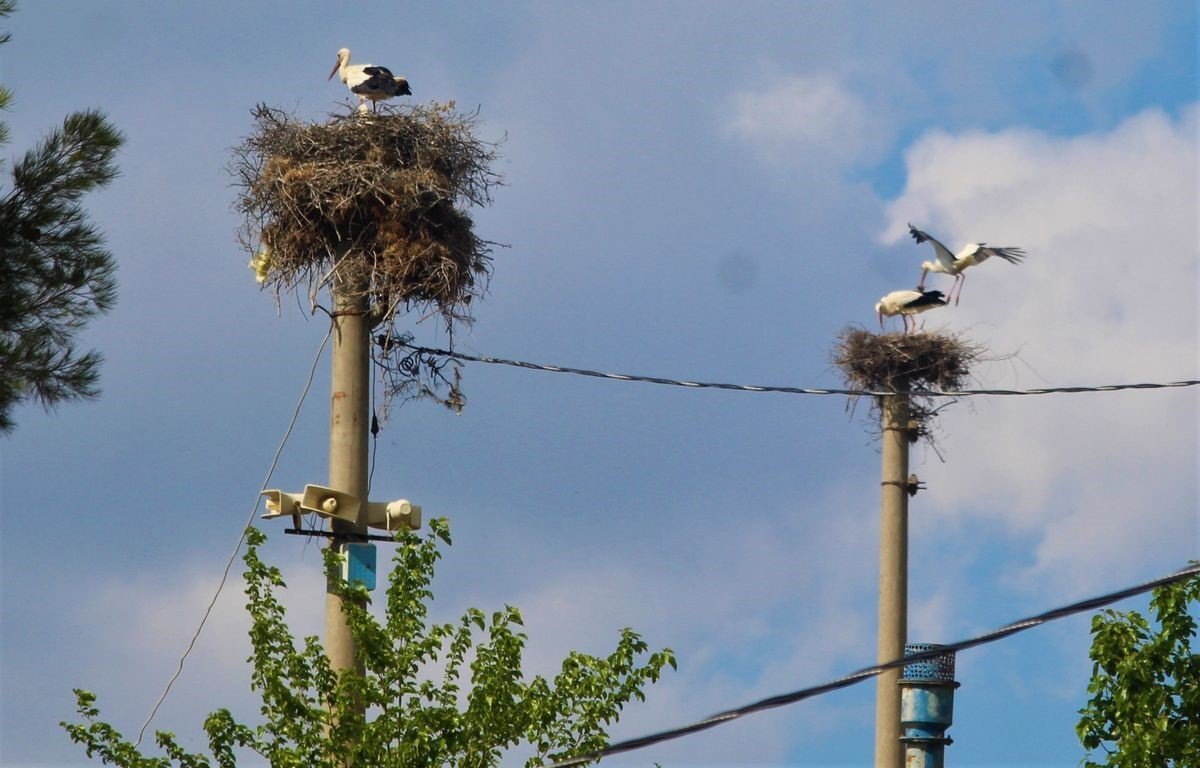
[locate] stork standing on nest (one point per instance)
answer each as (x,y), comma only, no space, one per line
(368,81)
(908,303)
(950,264)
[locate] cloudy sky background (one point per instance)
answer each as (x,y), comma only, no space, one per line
(697,190)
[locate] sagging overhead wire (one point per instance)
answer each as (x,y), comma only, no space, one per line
(785,390)
(312,372)
(867,673)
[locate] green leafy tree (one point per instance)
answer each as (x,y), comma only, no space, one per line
(1145,688)
(54,272)
(409,705)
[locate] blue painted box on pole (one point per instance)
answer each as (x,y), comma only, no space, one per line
(360,565)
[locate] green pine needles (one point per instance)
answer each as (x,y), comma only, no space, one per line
(428,694)
(55,274)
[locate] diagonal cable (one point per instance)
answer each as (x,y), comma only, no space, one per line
(237,547)
(868,672)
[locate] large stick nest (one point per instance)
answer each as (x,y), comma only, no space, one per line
(897,362)
(389,190)
(376,205)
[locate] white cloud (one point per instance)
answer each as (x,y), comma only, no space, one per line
(143,625)
(1106,483)
(734,620)
(806,118)
(773,605)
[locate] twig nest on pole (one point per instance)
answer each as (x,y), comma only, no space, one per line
(376,201)
(391,188)
(897,362)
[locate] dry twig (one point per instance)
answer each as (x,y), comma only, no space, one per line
(390,191)
(899,362)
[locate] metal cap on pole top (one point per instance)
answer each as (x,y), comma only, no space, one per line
(926,706)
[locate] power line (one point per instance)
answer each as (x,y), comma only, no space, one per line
(868,672)
(237,547)
(786,390)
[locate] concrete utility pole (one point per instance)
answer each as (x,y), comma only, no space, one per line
(345,502)
(893,578)
(349,426)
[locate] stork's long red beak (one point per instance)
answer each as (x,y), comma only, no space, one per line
(336,67)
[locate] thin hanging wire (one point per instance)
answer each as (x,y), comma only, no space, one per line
(237,547)
(789,390)
(867,673)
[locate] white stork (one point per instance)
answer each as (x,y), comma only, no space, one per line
(971,254)
(908,303)
(368,81)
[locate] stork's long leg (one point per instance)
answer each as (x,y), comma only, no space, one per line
(962,278)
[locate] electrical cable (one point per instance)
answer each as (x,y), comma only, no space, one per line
(775,701)
(237,547)
(787,390)
(869,672)
(375,429)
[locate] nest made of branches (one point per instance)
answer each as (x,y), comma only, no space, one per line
(897,362)
(375,206)
(374,202)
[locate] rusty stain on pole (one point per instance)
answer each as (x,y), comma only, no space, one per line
(927,707)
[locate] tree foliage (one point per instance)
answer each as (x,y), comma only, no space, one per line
(1145,706)
(411,704)
(54,271)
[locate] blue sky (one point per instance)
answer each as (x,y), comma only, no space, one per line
(701,190)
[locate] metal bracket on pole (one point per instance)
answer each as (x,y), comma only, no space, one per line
(356,537)
(912,485)
(913,431)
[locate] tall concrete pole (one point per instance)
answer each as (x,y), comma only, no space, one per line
(893,579)
(349,425)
